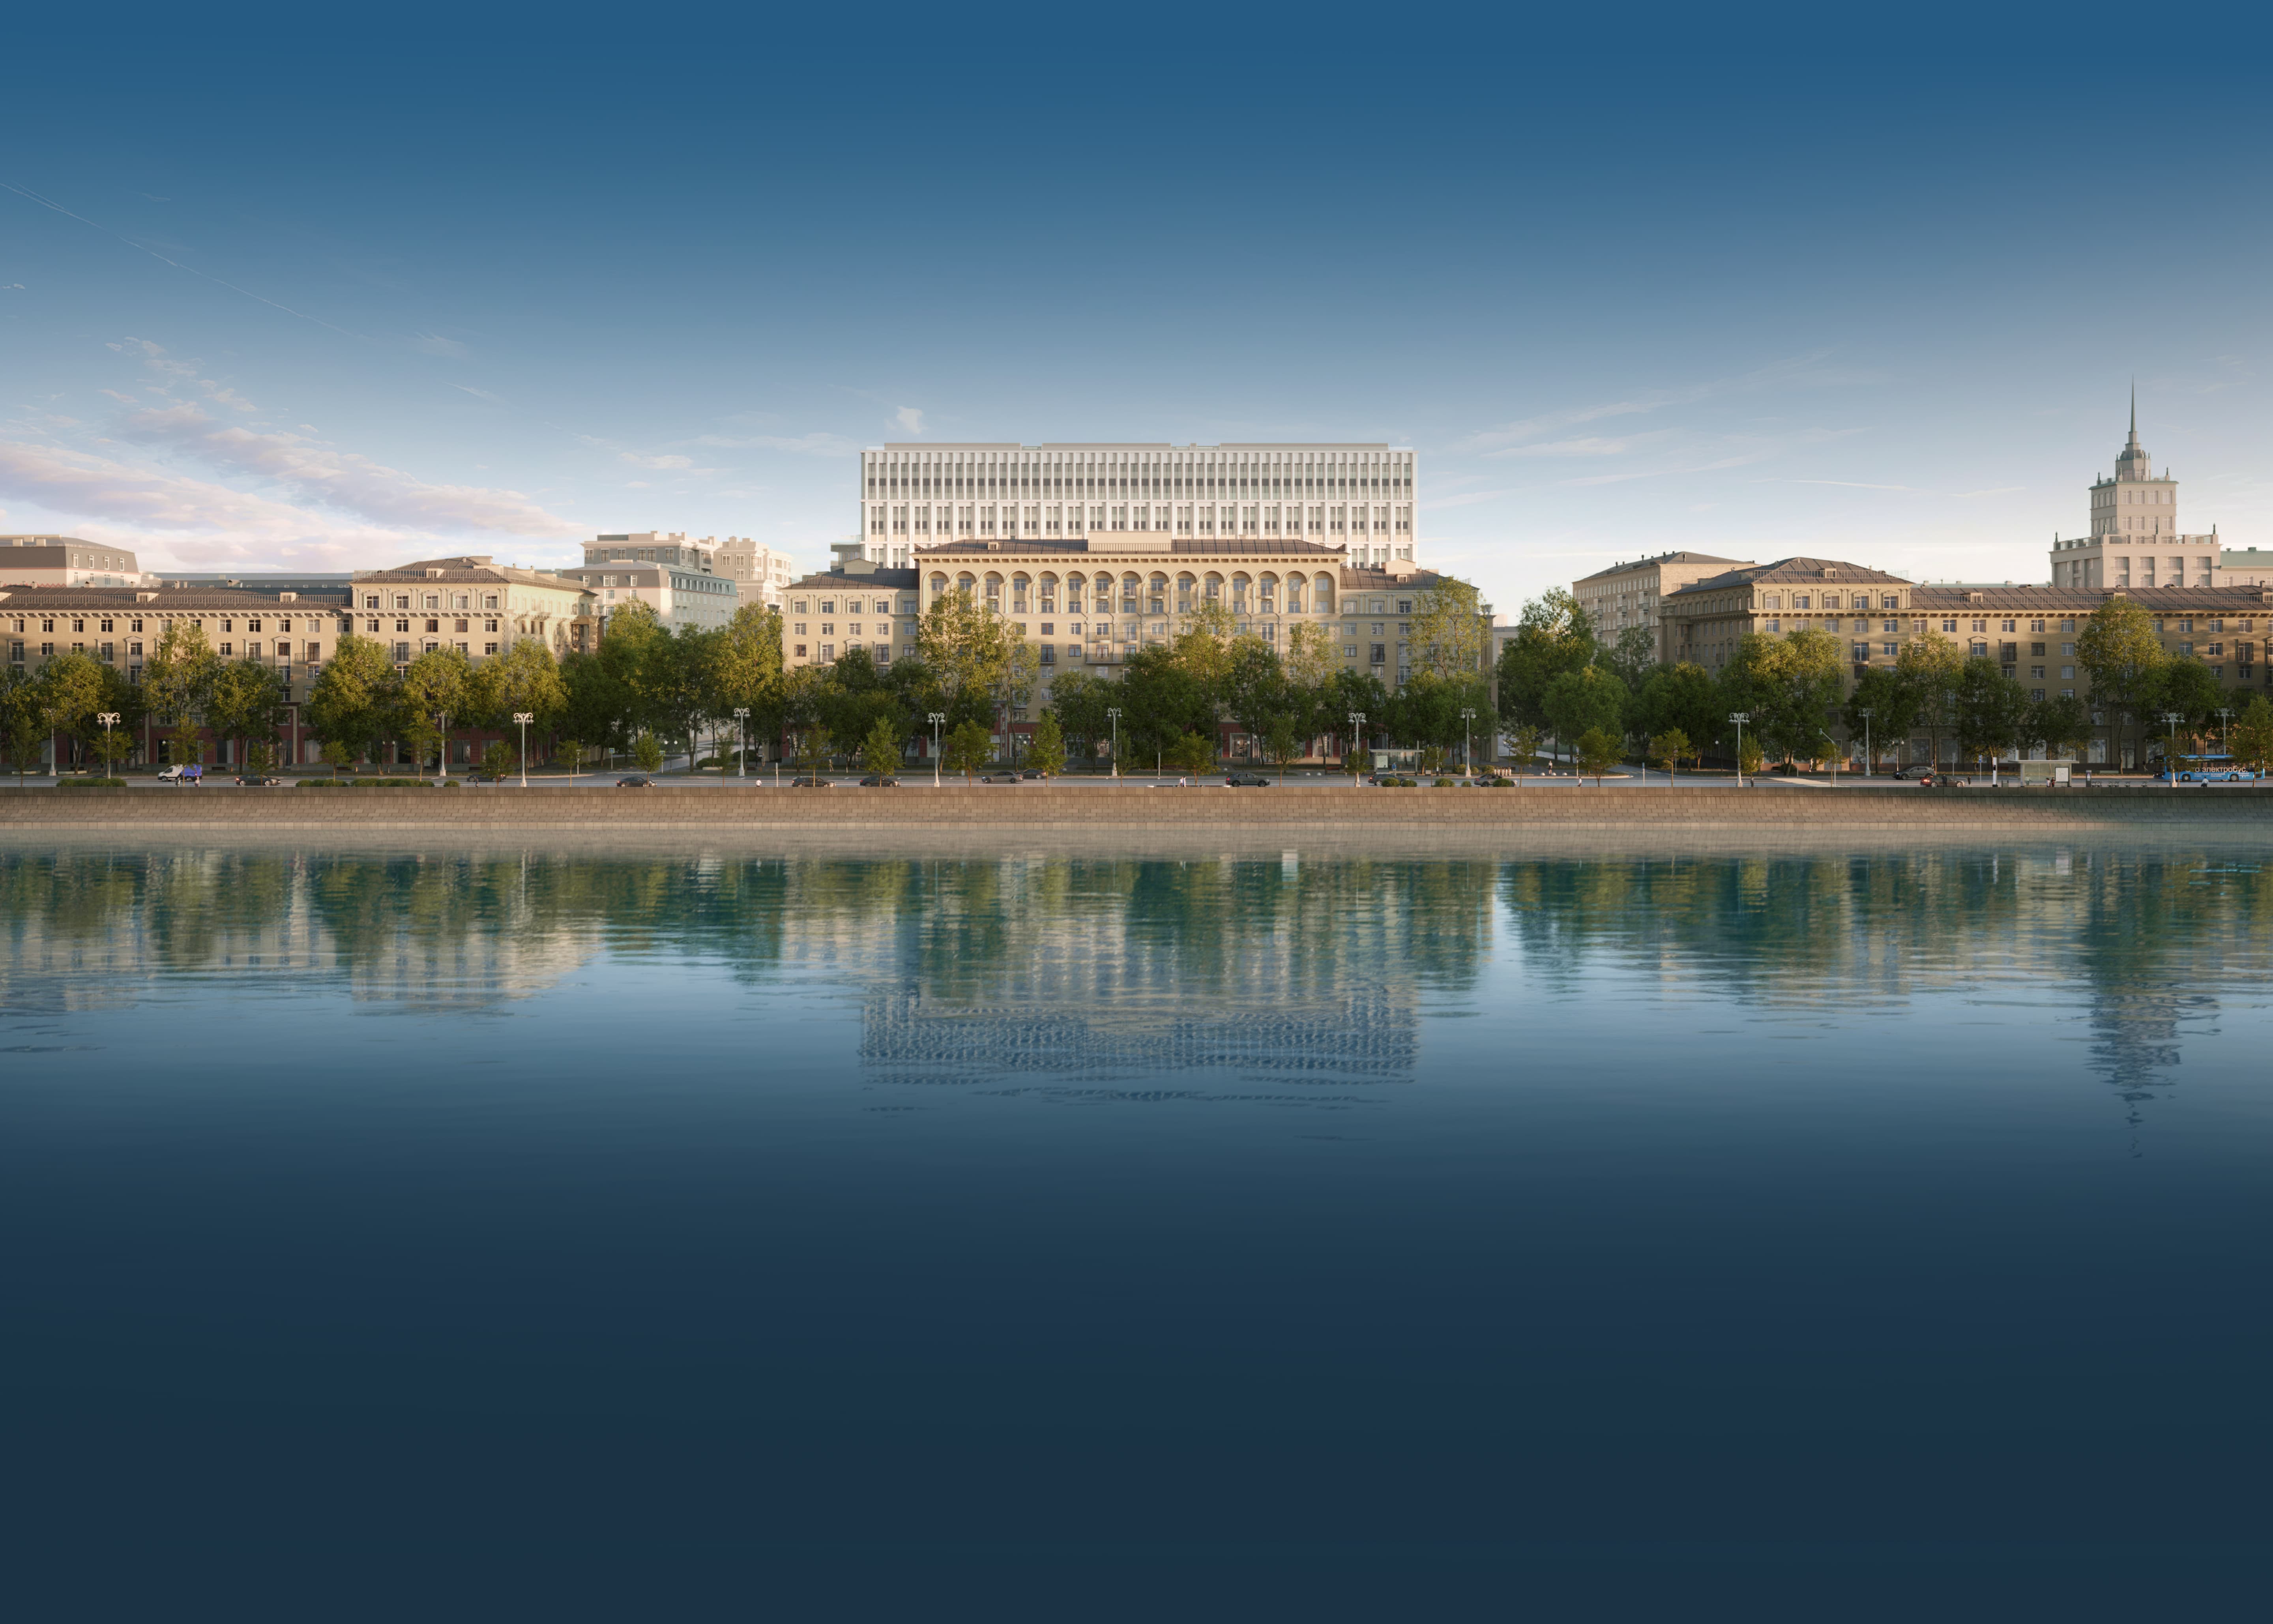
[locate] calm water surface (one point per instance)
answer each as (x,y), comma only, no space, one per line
(529,1233)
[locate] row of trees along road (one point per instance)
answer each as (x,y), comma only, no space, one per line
(1556,683)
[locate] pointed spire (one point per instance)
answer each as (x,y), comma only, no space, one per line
(2135,411)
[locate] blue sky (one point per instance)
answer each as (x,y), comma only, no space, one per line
(290,290)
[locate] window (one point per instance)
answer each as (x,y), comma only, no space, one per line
(1949,626)
(800,651)
(1380,652)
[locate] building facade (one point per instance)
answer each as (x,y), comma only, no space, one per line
(2135,540)
(121,627)
(759,574)
(1359,498)
(65,561)
(1631,595)
(470,603)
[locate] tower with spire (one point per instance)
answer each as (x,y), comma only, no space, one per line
(2135,539)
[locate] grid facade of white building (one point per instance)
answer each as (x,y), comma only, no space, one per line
(1362,496)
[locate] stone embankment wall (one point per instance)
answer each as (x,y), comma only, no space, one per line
(1024,808)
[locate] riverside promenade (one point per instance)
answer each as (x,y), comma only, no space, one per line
(1021,809)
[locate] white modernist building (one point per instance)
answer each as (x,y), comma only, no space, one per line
(1362,496)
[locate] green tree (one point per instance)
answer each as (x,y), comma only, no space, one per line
(72,690)
(1599,750)
(647,749)
(1449,636)
(1191,752)
(1523,744)
(1927,671)
(1992,710)
(1078,701)
(2250,736)
(1667,749)
(1589,700)
(967,648)
(1357,760)
(499,760)
(969,748)
(2061,724)
(746,669)
(1161,700)
(2186,687)
(1892,706)
(1632,659)
(112,747)
(188,744)
(1256,687)
(571,753)
(353,698)
(879,751)
(1789,685)
(337,753)
(1047,754)
(1283,744)
(179,673)
(434,693)
(1683,699)
(259,758)
(1554,636)
(23,720)
(524,680)
(247,700)
(2120,652)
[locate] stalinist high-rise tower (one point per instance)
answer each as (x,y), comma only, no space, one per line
(2135,539)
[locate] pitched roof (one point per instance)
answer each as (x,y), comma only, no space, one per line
(470,568)
(1663,557)
(1795,571)
(879,579)
(2083,600)
(22,600)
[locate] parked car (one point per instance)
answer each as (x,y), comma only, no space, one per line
(190,774)
(1033,772)
(635,781)
(1245,781)
(1923,773)
(876,781)
(259,784)
(1007,775)
(810,783)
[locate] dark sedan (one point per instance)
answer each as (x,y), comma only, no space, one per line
(876,781)
(1246,780)
(634,781)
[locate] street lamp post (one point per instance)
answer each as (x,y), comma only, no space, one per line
(2170,751)
(107,717)
(1113,711)
(938,719)
(1740,717)
(1870,763)
(741,741)
(1468,763)
(524,718)
(1357,735)
(2225,733)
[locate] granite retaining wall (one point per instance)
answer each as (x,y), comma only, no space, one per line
(1017,809)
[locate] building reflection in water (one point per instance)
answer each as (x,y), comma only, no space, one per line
(1097,968)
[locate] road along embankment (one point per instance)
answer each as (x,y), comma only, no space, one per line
(1020,810)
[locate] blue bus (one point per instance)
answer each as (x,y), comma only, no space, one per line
(2207,770)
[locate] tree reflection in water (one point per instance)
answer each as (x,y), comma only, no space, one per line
(1101,969)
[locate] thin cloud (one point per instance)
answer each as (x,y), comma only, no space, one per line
(127,399)
(1590,446)
(911,418)
(479,394)
(435,344)
(816,445)
(1508,438)
(315,472)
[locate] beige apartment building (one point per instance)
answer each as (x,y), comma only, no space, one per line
(759,574)
(65,561)
(1091,604)
(121,626)
(1631,595)
(470,603)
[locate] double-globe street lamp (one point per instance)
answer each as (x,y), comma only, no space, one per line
(741,741)
(1740,717)
(524,717)
(1468,759)
(2170,752)
(1113,711)
(1869,765)
(938,719)
(106,717)
(1357,729)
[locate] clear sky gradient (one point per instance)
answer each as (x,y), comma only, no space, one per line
(291,291)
